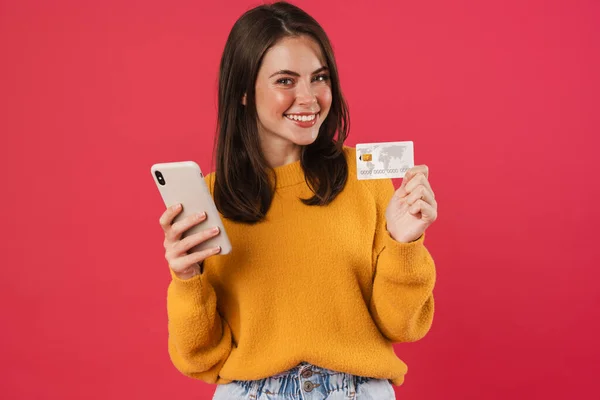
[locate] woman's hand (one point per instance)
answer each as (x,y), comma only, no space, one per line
(413,207)
(185,265)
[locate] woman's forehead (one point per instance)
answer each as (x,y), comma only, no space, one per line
(299,54)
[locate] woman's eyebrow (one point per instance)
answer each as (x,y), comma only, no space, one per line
(288,72)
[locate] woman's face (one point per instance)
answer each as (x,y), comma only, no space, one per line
(293,93)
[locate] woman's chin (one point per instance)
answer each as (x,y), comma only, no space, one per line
(305,137)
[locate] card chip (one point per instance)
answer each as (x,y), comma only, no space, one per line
(366,157)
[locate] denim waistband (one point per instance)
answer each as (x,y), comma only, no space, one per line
(304,376)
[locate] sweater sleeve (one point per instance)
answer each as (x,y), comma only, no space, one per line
(404,276)
(199,339)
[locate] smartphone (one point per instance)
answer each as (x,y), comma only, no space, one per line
(183,182)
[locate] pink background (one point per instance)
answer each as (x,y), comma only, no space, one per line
(500,98)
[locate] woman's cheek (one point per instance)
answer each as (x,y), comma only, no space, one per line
(282,102)
(324,96)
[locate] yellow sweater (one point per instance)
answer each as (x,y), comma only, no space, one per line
(326,285)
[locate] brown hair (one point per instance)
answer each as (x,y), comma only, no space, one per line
(242,189)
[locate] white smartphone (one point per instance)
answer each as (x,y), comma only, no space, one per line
(183,182)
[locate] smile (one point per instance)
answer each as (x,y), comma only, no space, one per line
(301,118)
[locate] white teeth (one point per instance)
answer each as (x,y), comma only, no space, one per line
(301,117)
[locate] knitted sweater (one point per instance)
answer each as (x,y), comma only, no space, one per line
(323,284)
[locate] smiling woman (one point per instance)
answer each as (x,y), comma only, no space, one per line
(326,271)
(285,104)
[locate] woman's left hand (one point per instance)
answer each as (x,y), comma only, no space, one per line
(412,207)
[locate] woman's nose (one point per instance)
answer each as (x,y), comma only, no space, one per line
(305,94)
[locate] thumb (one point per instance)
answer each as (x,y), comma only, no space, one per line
(408,176)
(401,191)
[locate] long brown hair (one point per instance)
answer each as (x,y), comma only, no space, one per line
(243,190)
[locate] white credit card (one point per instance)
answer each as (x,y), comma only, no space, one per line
(384,160)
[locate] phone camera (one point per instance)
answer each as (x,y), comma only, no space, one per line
(160,177)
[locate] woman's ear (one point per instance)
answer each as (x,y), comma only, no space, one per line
(244,99)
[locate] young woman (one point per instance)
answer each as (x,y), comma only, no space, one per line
(327,271)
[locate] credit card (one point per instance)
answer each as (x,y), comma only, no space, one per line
(384,160)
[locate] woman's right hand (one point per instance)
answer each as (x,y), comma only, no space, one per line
(185,265)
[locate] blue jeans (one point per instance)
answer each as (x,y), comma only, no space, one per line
(308,382)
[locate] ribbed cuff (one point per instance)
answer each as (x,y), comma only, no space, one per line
(191,287)
(411,258)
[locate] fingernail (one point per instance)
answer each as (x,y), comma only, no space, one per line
(215,229)
(217,249)
(177,206)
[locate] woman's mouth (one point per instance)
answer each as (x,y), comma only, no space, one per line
(303,120)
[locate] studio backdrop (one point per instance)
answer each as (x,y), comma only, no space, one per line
(500,99)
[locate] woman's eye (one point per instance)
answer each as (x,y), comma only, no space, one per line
(285,81)
(322,77)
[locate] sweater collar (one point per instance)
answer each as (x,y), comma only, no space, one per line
(289,174)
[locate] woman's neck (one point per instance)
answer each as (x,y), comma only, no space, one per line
(280,154)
